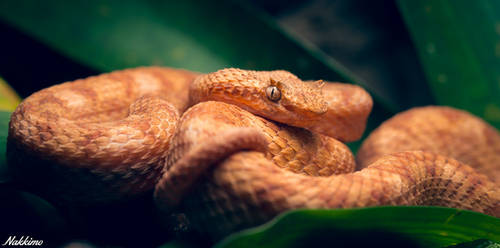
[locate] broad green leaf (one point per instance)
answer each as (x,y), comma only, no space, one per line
(4,128)
(8,97)
(200,36)
(459,47)
(401,226)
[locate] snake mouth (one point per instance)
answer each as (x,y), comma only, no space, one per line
(313,110)
(302,114)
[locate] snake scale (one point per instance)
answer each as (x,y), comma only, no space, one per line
(234,148)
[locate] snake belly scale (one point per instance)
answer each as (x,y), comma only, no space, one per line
(237,147)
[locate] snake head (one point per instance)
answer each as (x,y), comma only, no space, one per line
(277,95)
(298,98)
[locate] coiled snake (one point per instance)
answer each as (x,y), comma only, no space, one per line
(237,147)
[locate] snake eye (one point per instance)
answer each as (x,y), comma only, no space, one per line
(273,93)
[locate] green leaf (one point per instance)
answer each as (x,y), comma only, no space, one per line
(8,102)
(401,226)
(8,97)
(459,47)
(4,131)
(194,35)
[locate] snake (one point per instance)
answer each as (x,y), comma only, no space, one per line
(234,148)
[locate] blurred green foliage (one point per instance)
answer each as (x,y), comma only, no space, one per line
(4,127)
(200,36)
(8,97)
(459,47)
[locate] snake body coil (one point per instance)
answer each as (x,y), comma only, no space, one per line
(238,147)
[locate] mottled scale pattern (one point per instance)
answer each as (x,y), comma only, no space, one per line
(292,148)
(104,136)
(441,130)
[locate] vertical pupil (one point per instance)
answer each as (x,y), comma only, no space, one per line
(273,93)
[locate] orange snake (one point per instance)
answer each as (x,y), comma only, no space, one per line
(238,147)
